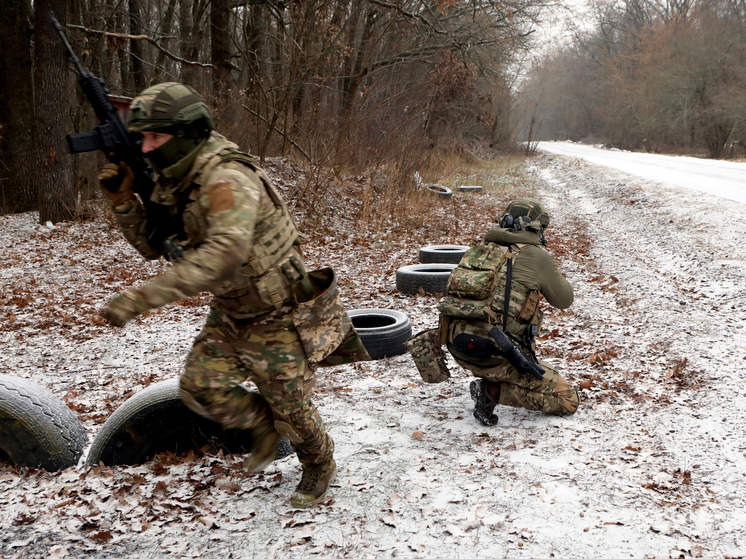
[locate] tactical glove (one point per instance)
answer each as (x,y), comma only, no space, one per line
(116,183)
(124,306)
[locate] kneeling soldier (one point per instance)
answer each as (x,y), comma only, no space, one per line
(490,317)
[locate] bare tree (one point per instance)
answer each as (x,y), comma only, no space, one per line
(51,160)
(17,186)
(220,49)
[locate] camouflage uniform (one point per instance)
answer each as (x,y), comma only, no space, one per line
(474,304)
(215,215)
(250,332)
(533,269)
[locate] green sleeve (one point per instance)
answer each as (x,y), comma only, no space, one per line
(537,269)
(132,223)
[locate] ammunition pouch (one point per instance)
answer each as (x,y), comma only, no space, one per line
(323,326)
(427,354)
(261,294)
(318,314)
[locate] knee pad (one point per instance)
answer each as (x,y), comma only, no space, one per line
(288,431)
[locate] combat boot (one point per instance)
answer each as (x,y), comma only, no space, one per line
(313,486)
(484,403)
(263,451)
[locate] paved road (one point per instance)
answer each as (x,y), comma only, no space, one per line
(726,179)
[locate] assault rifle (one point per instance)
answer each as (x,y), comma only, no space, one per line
(477,346)
(112,137)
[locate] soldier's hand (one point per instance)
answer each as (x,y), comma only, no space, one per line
(123,307)
(116,183)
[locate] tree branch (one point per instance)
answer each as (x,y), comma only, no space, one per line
(296,146)
(409,15)
(140,38)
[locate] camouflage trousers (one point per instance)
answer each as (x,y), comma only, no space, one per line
(552,395)
(267,351)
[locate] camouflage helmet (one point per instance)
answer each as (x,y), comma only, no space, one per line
(167,106)
(534,211)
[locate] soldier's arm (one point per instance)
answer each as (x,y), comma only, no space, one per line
(132,222)
(553,285)
(537,269)
(230,200)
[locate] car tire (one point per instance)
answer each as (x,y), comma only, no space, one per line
(432,278)
(442,254)
(382,331)
(440,191)
(474,189)
(37,429)
(156,420)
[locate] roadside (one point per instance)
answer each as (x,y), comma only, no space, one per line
(652,465)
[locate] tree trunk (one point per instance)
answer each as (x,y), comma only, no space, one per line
(220,52)
(160,63)
(17,192)
(186,43)
(136,28)
(191,31)
(50,159)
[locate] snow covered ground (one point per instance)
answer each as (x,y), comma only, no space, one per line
(653,464)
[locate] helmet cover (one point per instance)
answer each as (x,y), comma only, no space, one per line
(167,107)
(526,208)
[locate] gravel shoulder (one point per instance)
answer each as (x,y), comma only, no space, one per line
(651,466)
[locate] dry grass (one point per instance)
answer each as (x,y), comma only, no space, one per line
(385,200)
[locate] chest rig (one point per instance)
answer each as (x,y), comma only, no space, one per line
(272,266)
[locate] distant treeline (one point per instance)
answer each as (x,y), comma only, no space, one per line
(649,74)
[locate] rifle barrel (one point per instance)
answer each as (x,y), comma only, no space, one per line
(70,52)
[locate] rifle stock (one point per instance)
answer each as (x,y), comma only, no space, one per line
(483,348)
(515,355)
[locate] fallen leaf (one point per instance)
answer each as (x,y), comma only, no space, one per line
(103,536)
(209,521)
(389,520)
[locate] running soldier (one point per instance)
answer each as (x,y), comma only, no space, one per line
(233,236)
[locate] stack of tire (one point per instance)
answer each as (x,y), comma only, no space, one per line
(431,274)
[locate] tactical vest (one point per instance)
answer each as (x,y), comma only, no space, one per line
(476,290)
(273,266)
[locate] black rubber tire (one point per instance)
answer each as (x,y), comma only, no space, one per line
(440,191)
(37,429)
(442,254)
(432,278)
(470,189)
(382,331)
(156,420)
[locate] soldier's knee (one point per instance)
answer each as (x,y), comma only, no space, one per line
(192,395)
(570,401)
(289,432)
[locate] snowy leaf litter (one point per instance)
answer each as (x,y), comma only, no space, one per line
(652,465)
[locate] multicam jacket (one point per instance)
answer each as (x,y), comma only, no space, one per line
(238,241)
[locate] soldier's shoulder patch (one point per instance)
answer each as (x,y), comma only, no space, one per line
(220,195)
